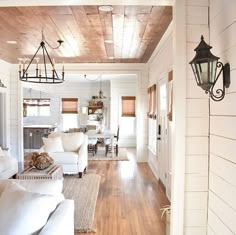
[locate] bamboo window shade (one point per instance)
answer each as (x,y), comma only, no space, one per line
(69,105)
(152,101)
(128,106)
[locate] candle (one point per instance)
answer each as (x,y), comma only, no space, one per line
(63,67)
(19,66)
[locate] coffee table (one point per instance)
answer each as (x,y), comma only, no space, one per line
(32,173)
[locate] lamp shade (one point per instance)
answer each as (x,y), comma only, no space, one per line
(204,65)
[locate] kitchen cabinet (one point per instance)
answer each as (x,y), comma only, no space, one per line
(33,136)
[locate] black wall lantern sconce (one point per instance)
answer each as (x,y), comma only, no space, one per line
(204,66)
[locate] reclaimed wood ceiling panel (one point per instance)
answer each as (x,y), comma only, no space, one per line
(133,32)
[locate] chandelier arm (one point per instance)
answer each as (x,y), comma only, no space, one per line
(59,41)
(219,94)
(24,72)
(53,69)
(44,61)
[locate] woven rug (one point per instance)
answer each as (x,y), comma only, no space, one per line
(84,192)
(100,155)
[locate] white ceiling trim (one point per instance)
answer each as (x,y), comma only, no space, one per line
(8,3)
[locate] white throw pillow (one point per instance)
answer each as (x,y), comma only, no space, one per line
(2,154)
(53,144)
(71,141)
(23,212)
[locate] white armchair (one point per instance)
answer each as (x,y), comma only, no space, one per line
(68,150)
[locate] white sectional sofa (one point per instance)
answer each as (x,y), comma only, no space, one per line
(35,207)
(69,150)
(8,165)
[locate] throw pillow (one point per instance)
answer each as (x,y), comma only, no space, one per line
(23,212)
(53,144)
(71,141)
(2,154)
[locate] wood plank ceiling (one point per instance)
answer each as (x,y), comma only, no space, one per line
(128,34)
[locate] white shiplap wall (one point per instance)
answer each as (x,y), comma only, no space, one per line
(5,78)
(222,186)
(160,64)
(197,126)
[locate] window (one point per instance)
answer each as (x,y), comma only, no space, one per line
(36,107)
(152,102)
(69,105)
(128,106)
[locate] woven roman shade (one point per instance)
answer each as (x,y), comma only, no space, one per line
(128,106)
(69,105)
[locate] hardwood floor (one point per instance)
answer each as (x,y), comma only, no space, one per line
(129,199)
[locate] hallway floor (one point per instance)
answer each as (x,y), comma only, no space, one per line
(129,198)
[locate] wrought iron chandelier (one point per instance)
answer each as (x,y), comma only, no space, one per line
(41,75)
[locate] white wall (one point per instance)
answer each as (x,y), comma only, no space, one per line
(196,140)
(222,185)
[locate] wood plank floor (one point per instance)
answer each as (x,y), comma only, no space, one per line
(129,199)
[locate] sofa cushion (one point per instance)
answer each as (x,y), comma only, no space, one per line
(24,212)
(44,186)
(6,163)
(65,158)
(53,144)
(71,141)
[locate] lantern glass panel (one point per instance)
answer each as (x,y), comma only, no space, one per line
(203,72)
(213,68)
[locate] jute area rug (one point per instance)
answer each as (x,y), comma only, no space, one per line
(84,192)
(100,155)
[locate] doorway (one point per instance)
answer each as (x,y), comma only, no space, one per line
(163,135)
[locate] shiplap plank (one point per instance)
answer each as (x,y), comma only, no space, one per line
(197,3)
(196,145)
(219,227)
(223,147)
(197,126)
(209,231)
(225,213)
(197,108)
(223,126)
(196,183)
(219,22)
(194,33)
(195,200)
(195,218)
(223,189)
(197,15)
(194,91)
(195,231)
(196,165)
(224,169)
(226,107)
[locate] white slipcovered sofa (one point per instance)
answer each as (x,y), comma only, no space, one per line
(8,165)
(35,207)
(69,150)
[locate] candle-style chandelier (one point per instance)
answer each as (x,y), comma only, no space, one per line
(42,73)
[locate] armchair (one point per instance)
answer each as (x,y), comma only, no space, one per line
(68,150)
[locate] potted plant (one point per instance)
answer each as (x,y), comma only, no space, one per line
(166,210)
